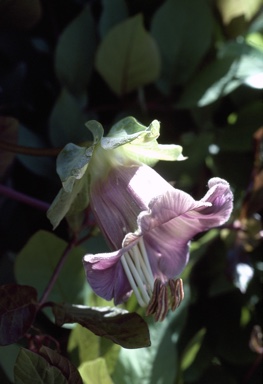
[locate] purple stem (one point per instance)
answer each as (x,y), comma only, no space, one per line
(19,196)
(56,273)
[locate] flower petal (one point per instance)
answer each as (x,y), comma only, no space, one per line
(189,216)
(106,276)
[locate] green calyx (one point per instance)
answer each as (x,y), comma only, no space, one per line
(128,141)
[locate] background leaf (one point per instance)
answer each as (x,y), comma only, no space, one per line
(36,262)
(113,13)
(181,49)
(17,311)
(63,364)
(31,367)
(79,344)
(75,53)
(95,372)
(67,121)
(20,14)
(128,57)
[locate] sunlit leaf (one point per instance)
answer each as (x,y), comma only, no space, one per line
(183,39)
(114,12)
(18,305)
(124,328)
(81,339)
(8,133)
(63,364)
(236,64)
(128,57)
(192,349)
(231,9)
(36,262)
(95,372)
(33,368)
(75,53)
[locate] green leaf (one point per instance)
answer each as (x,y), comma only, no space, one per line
(236,64)
(18,306)
(36,262)
(156,364)
(214,82)
(8,355)
(32,368)
(63,364)
(114,12)
(232,9)
(192,349)
(126,329)
(128,57)
(75,53)
(95,372)
(80,341)
(67,121)
(182,37)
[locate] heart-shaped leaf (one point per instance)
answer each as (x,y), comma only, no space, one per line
(33,368)
(17,311)
(64,365)
(128,57)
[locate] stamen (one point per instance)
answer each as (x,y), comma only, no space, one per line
(162,306)
(165,296)
(137,278)
(137,268)
(146,260)
(152,306)
(131,281)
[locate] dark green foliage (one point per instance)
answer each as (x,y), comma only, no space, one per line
(194,65)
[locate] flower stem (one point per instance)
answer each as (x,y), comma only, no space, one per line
(19,196)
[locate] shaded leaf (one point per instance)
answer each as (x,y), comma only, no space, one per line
(36,262)
(18,305)
(75,53)
(8,133)
(183,39)
(67,121)
(33,368)
(126,329)
(95,372)
(157,364)
(39,165)
(20,14)
(128,57)
(63,364)
(114,12)
(8,355)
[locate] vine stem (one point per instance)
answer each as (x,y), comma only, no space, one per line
(19,196)
(56,272)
